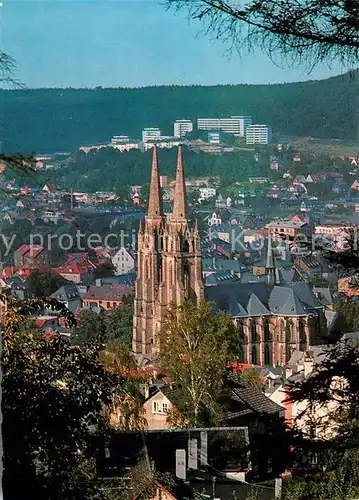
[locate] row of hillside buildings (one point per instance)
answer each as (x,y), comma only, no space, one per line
(238,126)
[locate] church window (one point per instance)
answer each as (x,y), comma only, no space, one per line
(254,331)
(267,355)
(240,329)
(302,335)
(289,331)
(254,355)
(267,335)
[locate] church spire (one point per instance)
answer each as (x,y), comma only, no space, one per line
(179,202)
(155,209)
(273,273)
(270,263)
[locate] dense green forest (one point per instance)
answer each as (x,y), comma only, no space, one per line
(110,170)
(49,120)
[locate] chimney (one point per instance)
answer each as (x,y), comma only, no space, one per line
(146,390)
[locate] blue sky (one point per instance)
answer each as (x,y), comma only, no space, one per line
(85,43)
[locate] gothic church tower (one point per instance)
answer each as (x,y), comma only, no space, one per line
(169,261)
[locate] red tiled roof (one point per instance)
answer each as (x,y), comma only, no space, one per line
(23,249)
(72,268)
(34,251)
(80,258)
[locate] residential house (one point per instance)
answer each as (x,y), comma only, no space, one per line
(280,229)
(69,296)
(156,407)
(317,422)
(75,272)
(335,233)
(107,296)
(31,257)
(49,188)
(123,261)
(309,264)
(205,193)
(244,406)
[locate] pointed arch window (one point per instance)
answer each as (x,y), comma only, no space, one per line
(254,331)
(254,355)
(302,335)
(267,355)
(267,334)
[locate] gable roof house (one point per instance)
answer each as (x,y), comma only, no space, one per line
(69,296)
(243,406)
(123,261)
(31,257)
(106,296)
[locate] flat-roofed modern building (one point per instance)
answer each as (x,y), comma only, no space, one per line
(151,134)
(236,125)
(258,134)
(182,127)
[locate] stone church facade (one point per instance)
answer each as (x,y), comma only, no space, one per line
(273,317)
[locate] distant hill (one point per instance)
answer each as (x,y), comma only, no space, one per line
(49,120)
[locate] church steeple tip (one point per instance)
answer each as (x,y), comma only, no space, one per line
(155,209)
(270,262)
(179,211)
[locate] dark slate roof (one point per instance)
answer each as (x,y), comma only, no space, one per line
(221,264)
(66,293)
(258,299)
(254,399)
(234,297)
(123,279)
(108,292)
(283,301)
(218,277)
(324,295)
(255,307)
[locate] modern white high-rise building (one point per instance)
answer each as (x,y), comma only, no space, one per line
(258,134)
(235,125)
(151,134)
(182,127)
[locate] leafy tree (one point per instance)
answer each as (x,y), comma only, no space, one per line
(195,347)
(90,327)
(116,357)
(339,480)
(119,321)
(312,31)
(334,386)
(53,404)
(251,376)
(105,269)
(43,284)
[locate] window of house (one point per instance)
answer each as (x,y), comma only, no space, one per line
(159,407)
(108,305)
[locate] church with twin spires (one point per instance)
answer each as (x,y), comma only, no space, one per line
(169,261)
(273,316)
